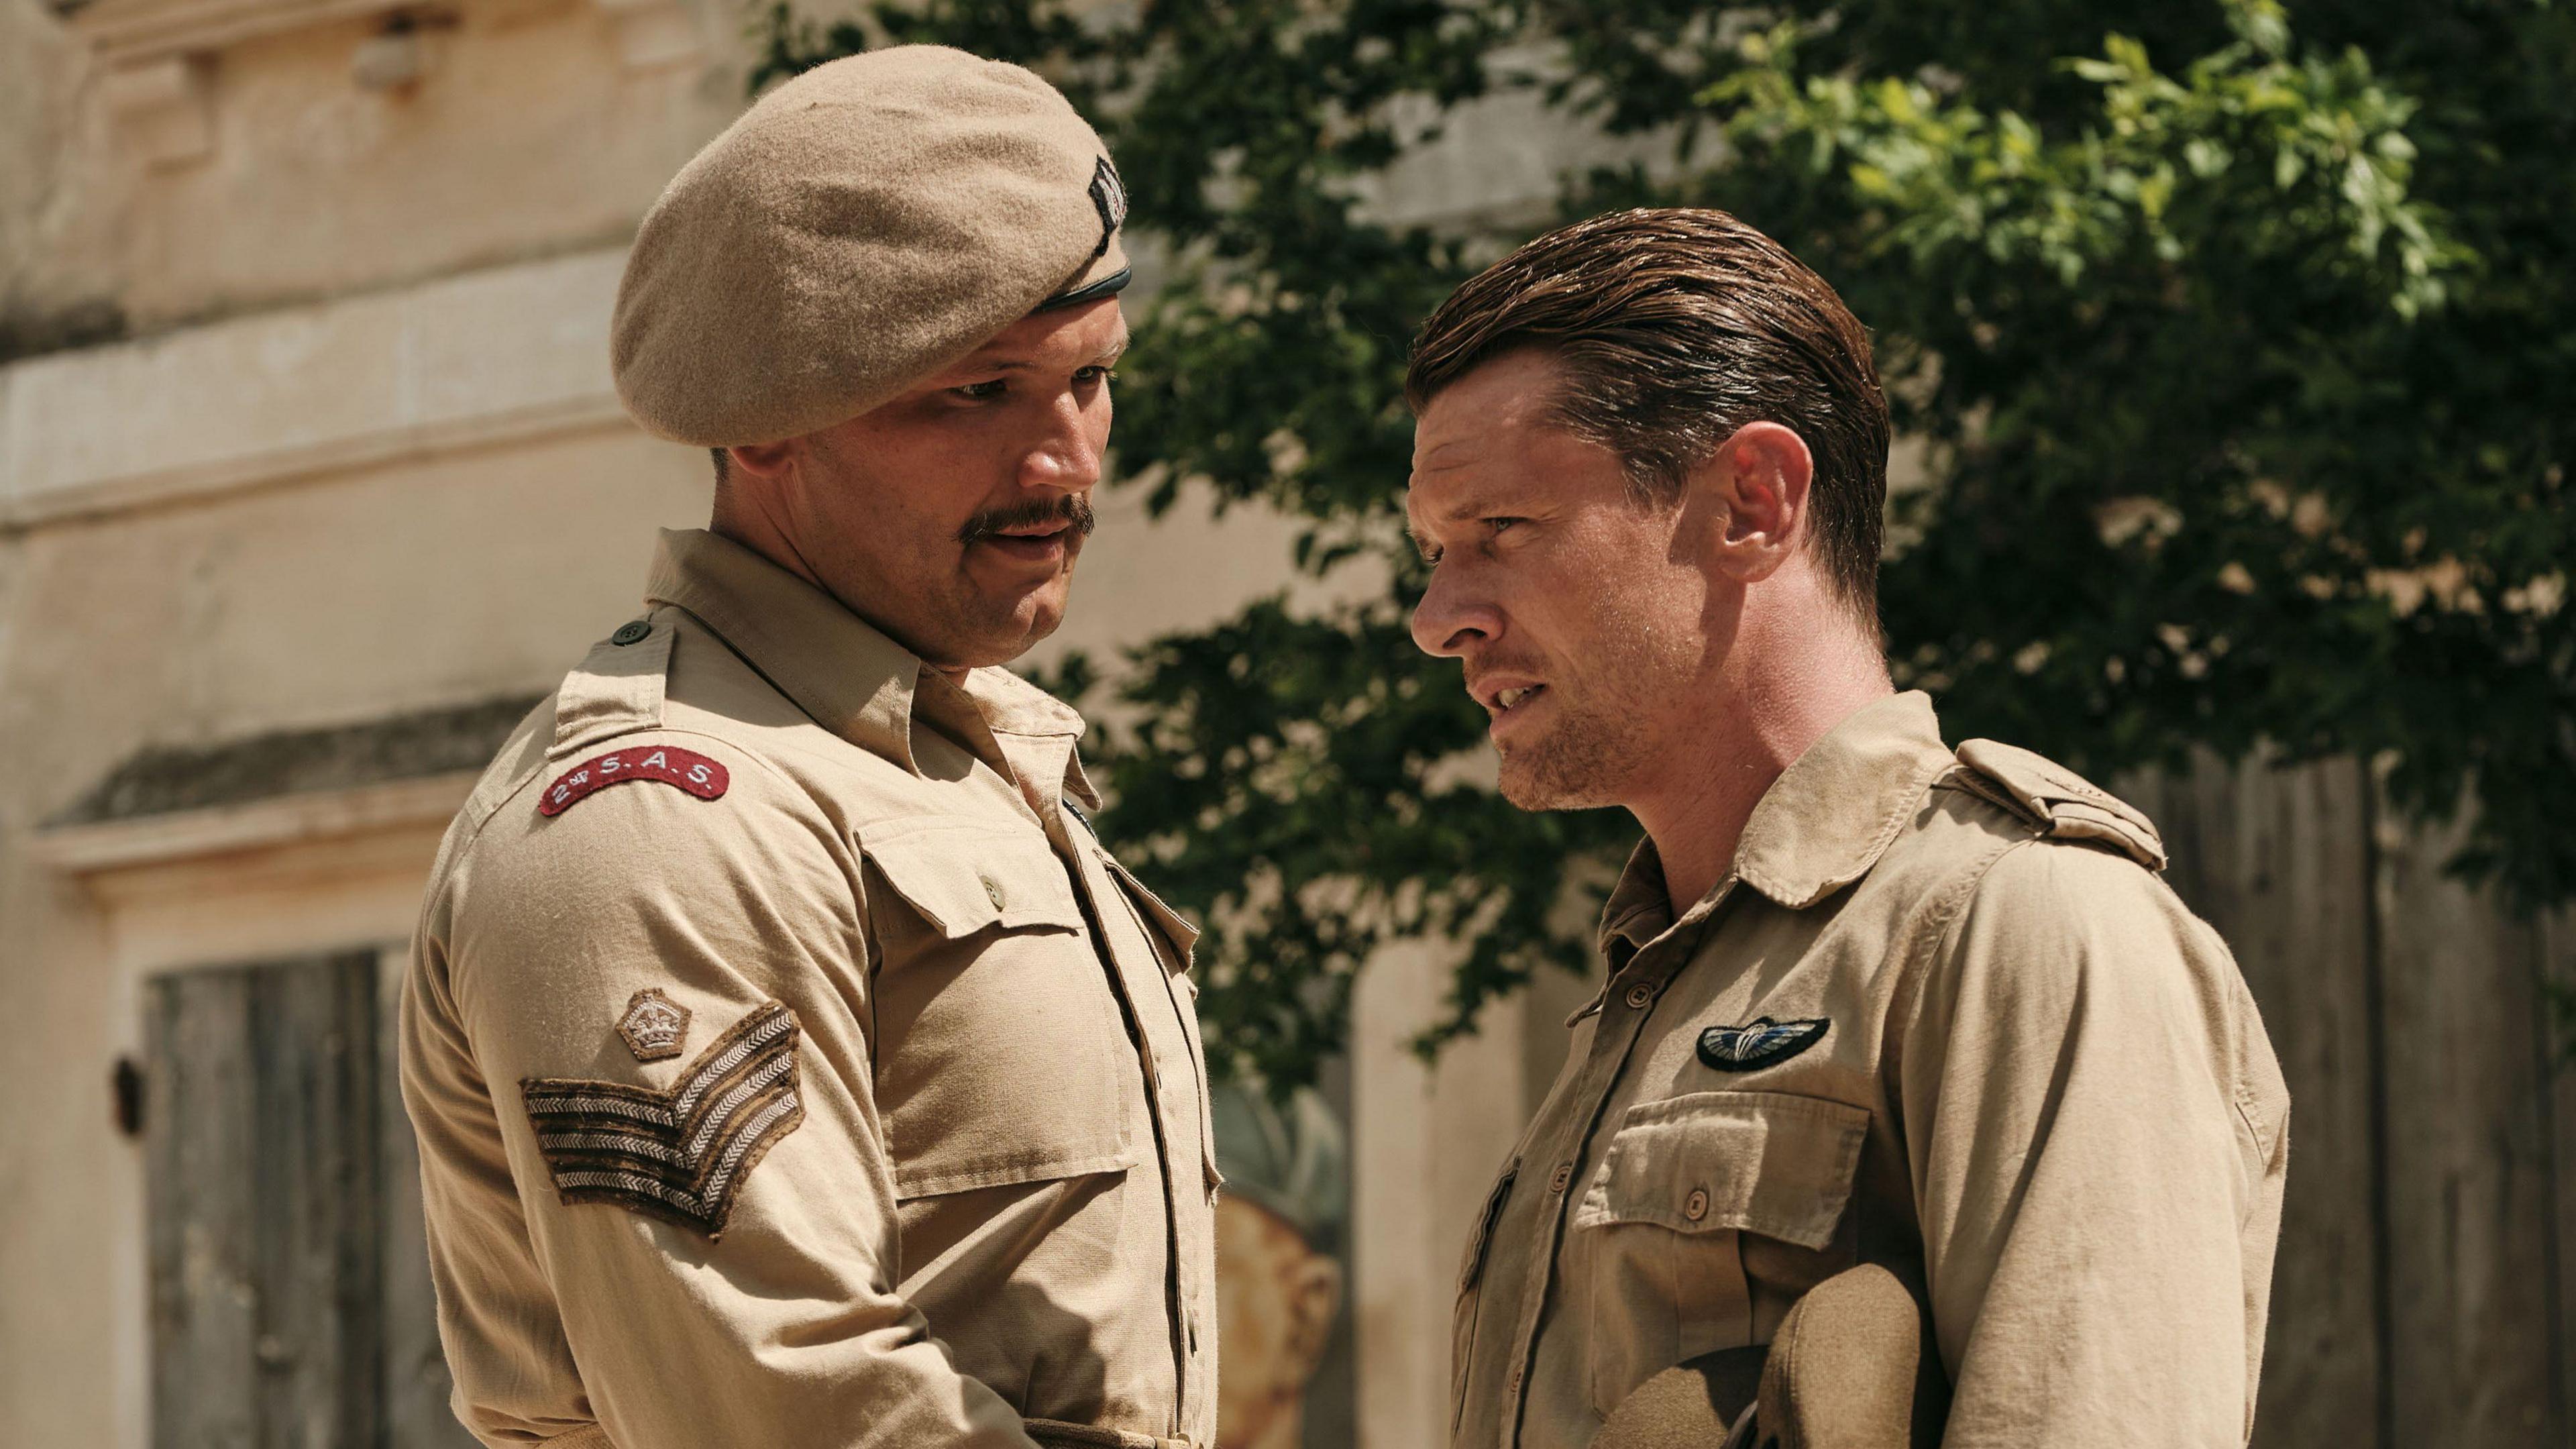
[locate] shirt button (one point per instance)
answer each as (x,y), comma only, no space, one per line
(1640,996)
(1695,1206)
(993,892)
(1516,1381)
(1557,1180)
(633,631)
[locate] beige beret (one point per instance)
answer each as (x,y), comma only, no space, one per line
(858,229)
(1846,1370)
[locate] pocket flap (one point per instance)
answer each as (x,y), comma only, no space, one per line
(966,875)
(1755,1162)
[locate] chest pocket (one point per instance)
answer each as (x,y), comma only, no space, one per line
(1700,1201)
(1001,1055)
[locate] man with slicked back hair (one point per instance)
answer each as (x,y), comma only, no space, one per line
(1872,1001)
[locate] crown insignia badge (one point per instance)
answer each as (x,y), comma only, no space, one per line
(653,1025)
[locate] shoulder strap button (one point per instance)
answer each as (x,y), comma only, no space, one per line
(634,631)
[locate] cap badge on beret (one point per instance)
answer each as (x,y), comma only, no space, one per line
(1109,198)
(1110,195)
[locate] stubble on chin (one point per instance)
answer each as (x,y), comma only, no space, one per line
(995,629)
(1578,765)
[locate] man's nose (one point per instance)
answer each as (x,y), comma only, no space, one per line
(1065,457)
(1453,616)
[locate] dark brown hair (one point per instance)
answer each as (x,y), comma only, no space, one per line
(1675,327)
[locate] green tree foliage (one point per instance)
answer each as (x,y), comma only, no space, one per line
(2238,345)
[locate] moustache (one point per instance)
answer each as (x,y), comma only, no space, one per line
(1073,510)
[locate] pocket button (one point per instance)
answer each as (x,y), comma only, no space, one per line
(1640,996)
(1557,1180)
(1695,1206)
(993,892)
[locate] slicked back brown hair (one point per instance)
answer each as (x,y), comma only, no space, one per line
(1673,328)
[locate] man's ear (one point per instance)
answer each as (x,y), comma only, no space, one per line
(762,460)
(752,493)
(1314,1296)
(1755,486)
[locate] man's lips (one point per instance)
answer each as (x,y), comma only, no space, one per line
(1036,543)
(1508,700)
(1511,706)
(1500,694)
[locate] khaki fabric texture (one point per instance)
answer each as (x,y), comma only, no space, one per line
(859,228)
(1843,1372)
(2042,1090)
(998,1204)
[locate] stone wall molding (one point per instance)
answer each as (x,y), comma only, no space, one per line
(158,56)
(504,355)
(134,32)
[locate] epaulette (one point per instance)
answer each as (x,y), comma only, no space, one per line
(616,690)
(2063,804)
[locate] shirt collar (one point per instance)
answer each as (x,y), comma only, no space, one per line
(1820,826)
(849,675)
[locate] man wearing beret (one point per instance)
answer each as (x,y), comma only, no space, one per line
(791,1065)
(1279,1279)
(1872,1002)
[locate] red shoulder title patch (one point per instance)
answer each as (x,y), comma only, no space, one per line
(668,764)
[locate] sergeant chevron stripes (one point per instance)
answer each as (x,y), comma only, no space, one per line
(680,1154)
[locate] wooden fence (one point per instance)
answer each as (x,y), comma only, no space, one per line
(2423,1297)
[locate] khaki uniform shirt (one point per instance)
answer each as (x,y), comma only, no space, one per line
(792,1068)
(1941,1016)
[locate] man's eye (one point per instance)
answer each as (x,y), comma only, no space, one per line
(1095,374)
(1499,524)
(982,391)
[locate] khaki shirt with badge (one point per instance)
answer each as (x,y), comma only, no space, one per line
(1943,1016)
(793,1068)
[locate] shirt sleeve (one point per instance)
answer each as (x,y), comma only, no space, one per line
(685,1235)
(2091,1186)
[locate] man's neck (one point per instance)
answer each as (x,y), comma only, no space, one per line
(1751,730)
(740,515)
(759,532)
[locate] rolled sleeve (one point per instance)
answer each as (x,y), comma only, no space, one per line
(766,1315)
(2085,1169)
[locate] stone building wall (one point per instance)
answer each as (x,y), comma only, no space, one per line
(305,426)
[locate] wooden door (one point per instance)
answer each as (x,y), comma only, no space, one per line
(290,1307)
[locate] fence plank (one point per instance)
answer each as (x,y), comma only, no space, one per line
(2558,1057)
(2473,1351)
(2276,860)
